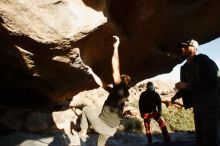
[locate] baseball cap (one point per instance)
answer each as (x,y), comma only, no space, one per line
(191,42)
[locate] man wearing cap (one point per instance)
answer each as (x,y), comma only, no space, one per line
(150,108)
(198,76)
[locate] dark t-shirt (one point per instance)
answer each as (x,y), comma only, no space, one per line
(149,102)
(112,109)
(201,74)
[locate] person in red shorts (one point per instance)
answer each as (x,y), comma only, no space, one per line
(150,108)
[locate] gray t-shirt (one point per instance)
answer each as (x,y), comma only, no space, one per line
(112,110)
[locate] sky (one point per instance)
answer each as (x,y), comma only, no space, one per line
(212,49)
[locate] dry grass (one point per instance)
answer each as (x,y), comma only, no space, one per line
(179,119)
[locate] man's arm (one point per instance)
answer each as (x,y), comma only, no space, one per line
(98,80)
(115,62)
(178,95)
(95,77)
(159,104)
(115,68)
(140,103)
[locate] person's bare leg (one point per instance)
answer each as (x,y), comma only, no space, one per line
(148,132)
(102,140)
(83,133)
(84,124)
(164,130)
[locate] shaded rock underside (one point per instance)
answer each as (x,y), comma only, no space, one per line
(47,46)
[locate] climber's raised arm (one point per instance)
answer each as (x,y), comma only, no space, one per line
(115,62)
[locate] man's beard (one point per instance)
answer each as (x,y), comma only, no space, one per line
(185,55)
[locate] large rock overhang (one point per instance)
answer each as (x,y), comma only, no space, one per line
(47,46)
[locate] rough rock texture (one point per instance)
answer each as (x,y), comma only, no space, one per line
(40,127)
(46,46)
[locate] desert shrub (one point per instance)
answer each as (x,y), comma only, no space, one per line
(179,119)
(131,124)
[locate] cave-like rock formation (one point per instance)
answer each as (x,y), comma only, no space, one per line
(46,46)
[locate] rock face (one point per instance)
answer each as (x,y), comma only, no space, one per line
(46,46)
(57,125)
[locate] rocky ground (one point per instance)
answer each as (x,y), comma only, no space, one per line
(119,139)
(40,128)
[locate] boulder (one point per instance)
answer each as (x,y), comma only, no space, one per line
(47,46)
